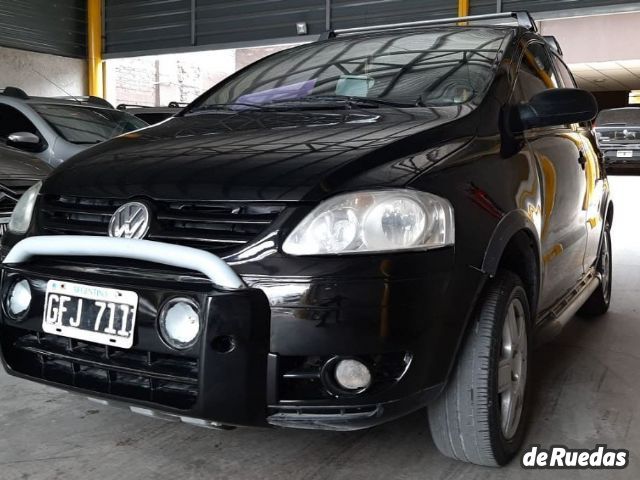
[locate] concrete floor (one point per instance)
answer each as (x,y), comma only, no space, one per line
(587,385)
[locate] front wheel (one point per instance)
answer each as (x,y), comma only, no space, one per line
(480,416)
(599,301)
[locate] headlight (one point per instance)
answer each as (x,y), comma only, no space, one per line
(374,221)
(23,211)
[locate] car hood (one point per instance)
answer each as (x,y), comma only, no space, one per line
(17,164)
(260,155)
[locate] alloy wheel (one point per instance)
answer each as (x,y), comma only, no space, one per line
(512,368)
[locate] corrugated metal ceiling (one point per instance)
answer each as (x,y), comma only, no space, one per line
(45,26)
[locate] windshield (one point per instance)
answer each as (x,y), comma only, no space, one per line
(619,134)
(619,117)
(83,124)
(448,66)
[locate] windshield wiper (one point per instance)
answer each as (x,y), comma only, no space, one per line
(341,100)
(229,107)
(312,101)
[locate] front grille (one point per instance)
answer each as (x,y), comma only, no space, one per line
(215,226)
(133,374)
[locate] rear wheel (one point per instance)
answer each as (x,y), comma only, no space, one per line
(480,417)
(599,301)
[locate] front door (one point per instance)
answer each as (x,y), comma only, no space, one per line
(560,154)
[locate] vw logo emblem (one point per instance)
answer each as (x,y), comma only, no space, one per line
(131,220)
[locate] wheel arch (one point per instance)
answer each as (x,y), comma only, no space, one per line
(515,246)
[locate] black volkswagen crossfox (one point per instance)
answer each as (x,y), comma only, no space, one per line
(331,238)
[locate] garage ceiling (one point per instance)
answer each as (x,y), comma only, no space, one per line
(135,27)
(139,27)
(608,76)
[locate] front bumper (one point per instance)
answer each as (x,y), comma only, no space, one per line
(273,375)
(622,165)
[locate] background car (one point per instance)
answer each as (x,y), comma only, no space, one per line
(618,135)
(18,172)
(54,129)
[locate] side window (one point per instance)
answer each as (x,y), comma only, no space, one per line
(12,121)
(536,72)
(563,71)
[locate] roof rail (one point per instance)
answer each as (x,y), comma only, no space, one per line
(90,99)
(523,18)
(15,92)
(124,106)
(99,101)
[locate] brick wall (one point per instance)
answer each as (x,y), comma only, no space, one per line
(246,56)
(135,81)
(158,80)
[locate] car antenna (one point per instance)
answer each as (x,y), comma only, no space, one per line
(57,86)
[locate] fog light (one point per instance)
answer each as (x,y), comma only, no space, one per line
(352,375)
(18,299)
(180,323)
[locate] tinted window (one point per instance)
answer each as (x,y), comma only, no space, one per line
(439,67)
(13,121)
(82,124)
(536,72)
(563,71)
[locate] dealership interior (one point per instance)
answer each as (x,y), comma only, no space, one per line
(139,63)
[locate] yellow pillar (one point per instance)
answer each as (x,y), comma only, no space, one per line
(94,48)
(463,8)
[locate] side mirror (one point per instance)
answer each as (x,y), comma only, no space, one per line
(559,106)
(25,141)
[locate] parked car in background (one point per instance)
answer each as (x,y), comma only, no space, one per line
(54,129)
(152,115)
(618,135)
(18,172)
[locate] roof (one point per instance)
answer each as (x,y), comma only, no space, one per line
(19,94)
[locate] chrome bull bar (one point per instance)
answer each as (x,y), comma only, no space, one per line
(214,268)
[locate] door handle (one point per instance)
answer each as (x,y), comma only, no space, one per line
(582,158)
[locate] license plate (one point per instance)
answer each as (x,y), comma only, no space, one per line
(93,314)
(624,153)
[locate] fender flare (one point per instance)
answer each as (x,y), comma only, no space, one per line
(609,208)
(512,223)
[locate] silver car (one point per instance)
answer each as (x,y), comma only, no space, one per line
(55,129)
(618,135)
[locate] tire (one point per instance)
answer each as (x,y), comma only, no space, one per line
(466,421)
(599,301)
